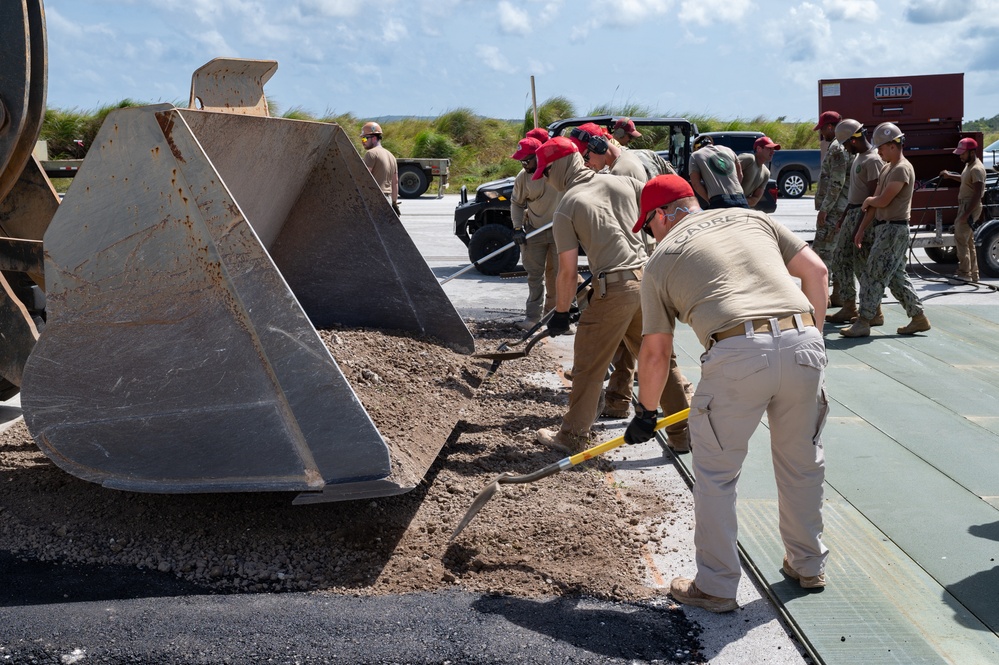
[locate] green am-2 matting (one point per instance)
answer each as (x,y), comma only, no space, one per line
(912,495)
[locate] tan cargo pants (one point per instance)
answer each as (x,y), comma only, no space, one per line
(743,377)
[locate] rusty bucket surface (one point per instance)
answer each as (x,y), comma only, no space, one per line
(187,269)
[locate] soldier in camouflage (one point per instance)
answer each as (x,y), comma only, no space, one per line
(888,211)
(831,194)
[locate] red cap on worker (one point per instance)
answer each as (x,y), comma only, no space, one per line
(539,133)
(827,118)
(528,147)
(591,128)
(551,150)
(765,142)
(661,191)
(626,126)
(964,145)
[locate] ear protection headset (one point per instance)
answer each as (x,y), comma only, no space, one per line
(597,144)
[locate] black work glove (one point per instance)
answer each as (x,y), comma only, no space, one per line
(558,324)
(520,236)
(642,426)
(395,207)
(574,313)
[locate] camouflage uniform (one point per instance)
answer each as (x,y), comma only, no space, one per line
(846,258)
(886,267)
(831,198)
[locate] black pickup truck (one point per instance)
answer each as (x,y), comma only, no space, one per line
(484,224)
(794,170)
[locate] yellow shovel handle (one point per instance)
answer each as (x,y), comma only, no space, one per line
(600,449)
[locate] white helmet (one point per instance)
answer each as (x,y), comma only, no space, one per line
(887,132)
(847,129)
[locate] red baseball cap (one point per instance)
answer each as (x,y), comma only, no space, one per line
(551,150)
(591,128)
(827,118)
(539,133)
(661,191)
(964,145)
(626,126)
(527,147)
(765,142)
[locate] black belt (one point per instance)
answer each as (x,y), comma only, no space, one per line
(763,325)
(899,222)
(853,206)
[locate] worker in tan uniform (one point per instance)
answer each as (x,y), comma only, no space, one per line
(969,208)
(727,273)
(594,213)
(848,260)
(888,211)
(716,175)
(755,172)
(624,131)
(381,163)
(532,205)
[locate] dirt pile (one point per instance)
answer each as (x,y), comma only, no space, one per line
(575,532)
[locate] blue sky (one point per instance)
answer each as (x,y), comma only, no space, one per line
(726,58)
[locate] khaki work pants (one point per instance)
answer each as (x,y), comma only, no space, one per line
(540,259)
(967,257)
(780,374)
(603,325)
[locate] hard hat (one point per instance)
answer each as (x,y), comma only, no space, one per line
(702,141)
(371,128)
(847,129)
(886,132)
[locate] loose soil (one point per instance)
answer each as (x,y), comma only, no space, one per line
(577,532)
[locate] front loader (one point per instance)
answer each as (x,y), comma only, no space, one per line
(185,274)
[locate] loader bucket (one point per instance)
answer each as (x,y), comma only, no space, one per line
(187,270)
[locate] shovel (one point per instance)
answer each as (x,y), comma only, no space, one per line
(552,469)
(505,353)
(475,264)
(505,346)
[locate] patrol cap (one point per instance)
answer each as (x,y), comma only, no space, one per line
(765,142)
(886,132)
(625,126)
(847,130)
(526,148)
(539,133)
(552,150)
(827,118)
(661,191)
(580,136)
(964,145)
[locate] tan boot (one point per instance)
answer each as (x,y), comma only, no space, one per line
(879,318)
(919,323)
(845,315)
(859,328)
(562,441)
(835,299)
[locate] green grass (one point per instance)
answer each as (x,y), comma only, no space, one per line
(479,148)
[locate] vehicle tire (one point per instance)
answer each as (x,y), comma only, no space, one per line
(7,389)
(988,252)
(792,184)
(487,240)
(412,181)
(945,255)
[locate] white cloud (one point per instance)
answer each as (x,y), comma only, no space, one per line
(624,13)
(937,11)
(494,59)
(806,34)
(394,31)
(851,10)
(513,20)
(333,8)
(706,12)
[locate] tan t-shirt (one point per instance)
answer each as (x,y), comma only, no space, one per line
(754,175)
(718,268)
(597,212)
(383,168)
(972,173)
(865,168)
(900,207)
(533,202)
(629,164)
(716,165)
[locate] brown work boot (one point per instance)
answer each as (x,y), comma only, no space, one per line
(859,328)
(845,315)
(879,318)
(679,442)
(834,298)
(562,441)
(919,323)
(615,412)
(685,591)
(816,582)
